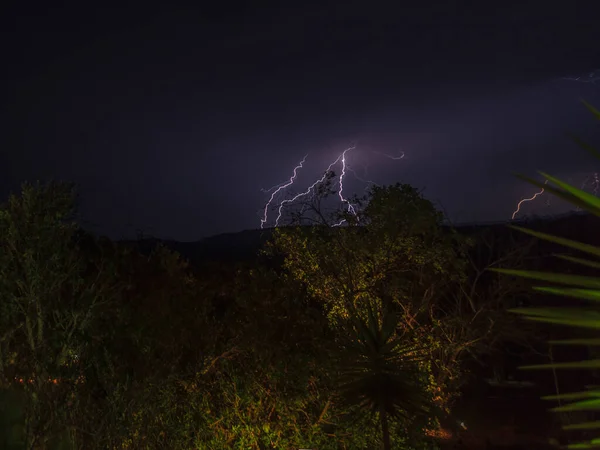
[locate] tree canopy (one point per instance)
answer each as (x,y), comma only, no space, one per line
(337,337)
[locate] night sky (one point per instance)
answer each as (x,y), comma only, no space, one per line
(172,120)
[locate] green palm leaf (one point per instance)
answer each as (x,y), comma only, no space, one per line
(585,145)
(586,248)
(584,426)
(572,280)
(589,200)
(573,396)
(585,294)
(583,262)
(575,286)
(568,196)
(562,316)
(593,110)
(586,405)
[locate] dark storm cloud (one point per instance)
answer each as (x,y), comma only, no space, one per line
(172,120)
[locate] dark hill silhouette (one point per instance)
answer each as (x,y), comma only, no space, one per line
(245,245)
(229,247)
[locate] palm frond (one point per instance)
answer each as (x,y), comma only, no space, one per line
(575,245)
(586,288)
(379,371)
(583,262)
(565,195)
(572,280)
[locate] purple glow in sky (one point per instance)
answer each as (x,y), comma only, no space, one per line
(172,120)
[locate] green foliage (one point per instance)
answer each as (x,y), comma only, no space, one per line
(382,372)
(46,307)
(102,346)
(581,287)
(393,261)
(397,251)
(280,391)
(375,356)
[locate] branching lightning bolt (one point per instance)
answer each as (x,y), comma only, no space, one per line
(346,170)
(279,189)
(359,178)
(266,191)
(536,195)
(310,189)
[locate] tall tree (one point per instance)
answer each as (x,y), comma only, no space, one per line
(48,302)
(392,257)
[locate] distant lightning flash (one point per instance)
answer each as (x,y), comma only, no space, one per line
(593,181)
(395,158)
(279,189)
(536,195)
(584,183)
(590,77)
(595,184)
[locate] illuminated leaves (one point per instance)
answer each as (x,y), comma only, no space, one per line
(397,244)
(395,256)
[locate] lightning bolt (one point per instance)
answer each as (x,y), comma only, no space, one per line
(595,183)
(342,175)
(278,189)
(359,178)
(395,158)
(342,158)
(346,170)
(536,195)
(266,191)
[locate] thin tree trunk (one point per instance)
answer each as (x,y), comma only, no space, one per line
(385,431)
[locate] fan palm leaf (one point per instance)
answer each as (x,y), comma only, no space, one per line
(379,371)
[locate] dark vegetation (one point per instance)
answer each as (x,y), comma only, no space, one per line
(385,330)
(393,330)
